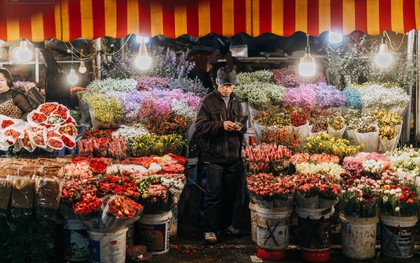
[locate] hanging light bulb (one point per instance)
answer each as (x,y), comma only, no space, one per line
(307,65)
(383,59)
(334,37)
(82,67)
(23,53)
(143,60)
(72,77)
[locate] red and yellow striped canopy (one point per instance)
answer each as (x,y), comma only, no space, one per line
(70,19)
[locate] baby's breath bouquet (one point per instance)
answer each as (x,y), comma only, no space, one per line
(365,131)
(260,95)
(263,76)
(111,85)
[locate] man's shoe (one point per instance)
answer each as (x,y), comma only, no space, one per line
(232,231)
(210,238)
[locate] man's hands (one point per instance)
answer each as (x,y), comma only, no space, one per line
(230,126)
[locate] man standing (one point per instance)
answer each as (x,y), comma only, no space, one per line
(221,126)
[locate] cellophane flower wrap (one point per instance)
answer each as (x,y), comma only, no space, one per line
(399,196)
(336,125)
(119,212)
(360,196)
(5,194)
(316,190)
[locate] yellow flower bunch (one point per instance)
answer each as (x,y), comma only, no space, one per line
(384,117)
(104,110)
(336,121)
(272,118)
(324,143)
(387,132)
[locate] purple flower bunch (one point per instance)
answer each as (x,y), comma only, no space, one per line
(328,96)
(285,77)
(289,77)
(164,99)
(304,96)
(149,83)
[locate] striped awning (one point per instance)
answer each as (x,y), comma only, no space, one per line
(67,20)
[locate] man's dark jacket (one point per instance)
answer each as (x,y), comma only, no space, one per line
(216,144)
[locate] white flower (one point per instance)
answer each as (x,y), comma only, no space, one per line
(397,209)
(385,199)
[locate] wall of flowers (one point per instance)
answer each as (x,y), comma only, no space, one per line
(318,149)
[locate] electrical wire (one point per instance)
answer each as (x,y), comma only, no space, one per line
(390,42)
(91,56)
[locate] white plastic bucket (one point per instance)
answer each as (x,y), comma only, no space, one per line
(397,236)
(358,237)
(253,222)
(108,247)
(76,241)
(272,228)
(173,224)
(130,235)
(152,230)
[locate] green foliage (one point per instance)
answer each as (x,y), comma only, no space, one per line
(354,62)
(348,61)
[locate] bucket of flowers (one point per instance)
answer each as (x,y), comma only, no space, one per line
(398,212)
(359,204)
(269,192)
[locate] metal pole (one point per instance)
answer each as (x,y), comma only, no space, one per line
(417,94)
(407,118)
(98,56)
(36,64)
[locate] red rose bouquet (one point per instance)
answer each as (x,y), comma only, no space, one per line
(120,212)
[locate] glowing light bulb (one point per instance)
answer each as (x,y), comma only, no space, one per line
(383,59)
(72,77)
(334,37)
(82,67)
(307,65)
(143,60)
(23,53)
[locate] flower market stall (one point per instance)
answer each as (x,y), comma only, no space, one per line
(326,149)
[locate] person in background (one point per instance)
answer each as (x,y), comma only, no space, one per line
(220,126)
(12,103)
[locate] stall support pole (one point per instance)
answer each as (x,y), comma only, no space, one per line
(417,94)
(98,42)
